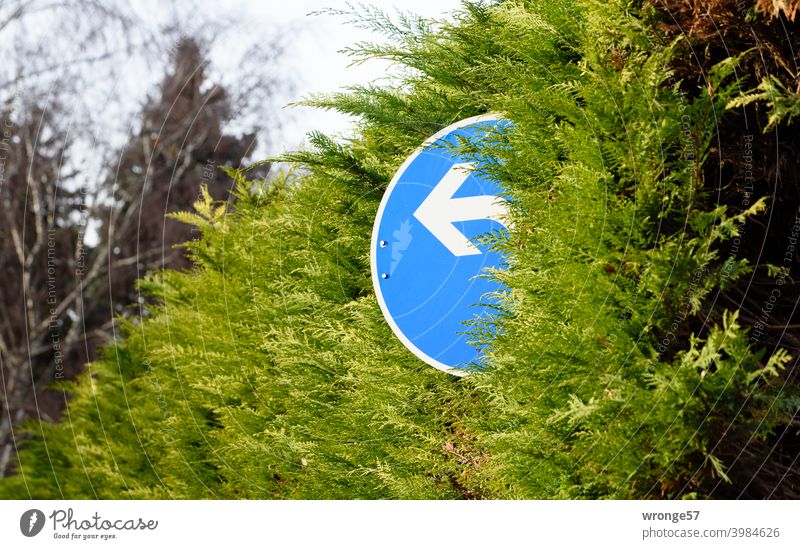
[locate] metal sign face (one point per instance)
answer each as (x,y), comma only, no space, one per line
(426,266)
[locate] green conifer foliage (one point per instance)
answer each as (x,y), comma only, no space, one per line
(269,372)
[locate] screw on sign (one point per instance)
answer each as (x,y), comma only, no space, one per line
(426,266)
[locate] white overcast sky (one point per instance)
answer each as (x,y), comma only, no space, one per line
(312,60)
(107,97)
(315,54)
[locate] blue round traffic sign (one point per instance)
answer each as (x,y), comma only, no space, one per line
(426,264)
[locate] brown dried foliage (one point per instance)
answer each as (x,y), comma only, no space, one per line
(776,7)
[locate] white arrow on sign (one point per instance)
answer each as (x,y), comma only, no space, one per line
(440,210)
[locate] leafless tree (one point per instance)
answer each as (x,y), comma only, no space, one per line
(76,238)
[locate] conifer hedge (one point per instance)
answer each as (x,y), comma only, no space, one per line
(614,370)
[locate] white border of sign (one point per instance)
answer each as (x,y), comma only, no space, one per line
(373,260)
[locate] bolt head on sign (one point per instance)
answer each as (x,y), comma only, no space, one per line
(426,266)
